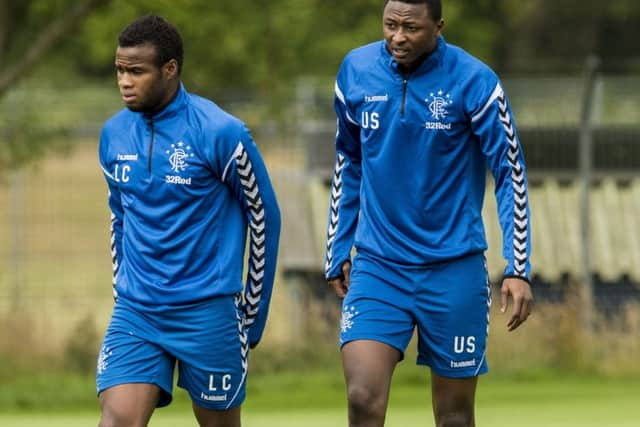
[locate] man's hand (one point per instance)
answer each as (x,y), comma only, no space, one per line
(341,285)
(520,292)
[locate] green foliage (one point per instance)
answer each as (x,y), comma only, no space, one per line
(318,355)
(245,44)
(81,349)
(263,45)
(26,18)
(246,48)
(29,132)
(42,391)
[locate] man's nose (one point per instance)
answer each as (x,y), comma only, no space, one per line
(124,80)
(399,36)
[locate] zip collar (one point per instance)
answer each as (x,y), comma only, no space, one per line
(172,108)
(430,62)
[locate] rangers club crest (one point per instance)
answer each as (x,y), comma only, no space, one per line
(438,104)
(178,158)
(348,314)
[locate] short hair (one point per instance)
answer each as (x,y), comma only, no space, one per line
(158,32)
(434,6)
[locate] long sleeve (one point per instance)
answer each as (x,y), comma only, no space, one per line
(247,178)
(117,213)
(492,122)
(344,204)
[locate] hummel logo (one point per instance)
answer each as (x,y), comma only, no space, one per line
(127,157)
(376,98)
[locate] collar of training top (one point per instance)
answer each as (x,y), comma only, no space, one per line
(175,105)
(428,63)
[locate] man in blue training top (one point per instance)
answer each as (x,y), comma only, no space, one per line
(419,121)
(186,184)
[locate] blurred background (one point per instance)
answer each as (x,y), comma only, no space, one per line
(571,69)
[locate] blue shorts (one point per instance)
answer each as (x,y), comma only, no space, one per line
(207,340)
(447,302)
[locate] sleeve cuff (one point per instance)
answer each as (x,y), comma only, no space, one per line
(337,274)
(515,276)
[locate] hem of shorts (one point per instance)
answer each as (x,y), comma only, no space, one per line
(138,380)
(382,340)
(215,406)
(450,373)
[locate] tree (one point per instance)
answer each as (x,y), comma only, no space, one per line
(557,36)
(29,30)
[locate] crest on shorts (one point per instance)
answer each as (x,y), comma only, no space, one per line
(346,322)
(103,359)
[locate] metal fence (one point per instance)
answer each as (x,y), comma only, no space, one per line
(581,139)
(54,256)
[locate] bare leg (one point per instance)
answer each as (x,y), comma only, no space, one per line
(453,401)
(211,418)
(128,405)
(368,368)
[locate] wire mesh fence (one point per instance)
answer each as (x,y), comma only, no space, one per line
(548,112)
(54,220)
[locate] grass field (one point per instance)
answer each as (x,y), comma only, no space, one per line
(317,400)
(59,257)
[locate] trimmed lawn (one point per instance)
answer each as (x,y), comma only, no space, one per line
(524,402)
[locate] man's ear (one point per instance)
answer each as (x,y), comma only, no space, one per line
(170,69)
(440,26)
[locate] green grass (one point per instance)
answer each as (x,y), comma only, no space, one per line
(529,416)
(65,297)
(317,400)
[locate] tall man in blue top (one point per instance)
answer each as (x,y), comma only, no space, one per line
(186,185)
(419,121)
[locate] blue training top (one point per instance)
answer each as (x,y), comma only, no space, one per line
(185,184)
(412,155)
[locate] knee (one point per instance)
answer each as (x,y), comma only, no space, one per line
(367,400)
(111,421)
(114,418)
(108,420)
(455,418)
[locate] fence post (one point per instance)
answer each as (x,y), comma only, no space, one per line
(16,242)
(586,178)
